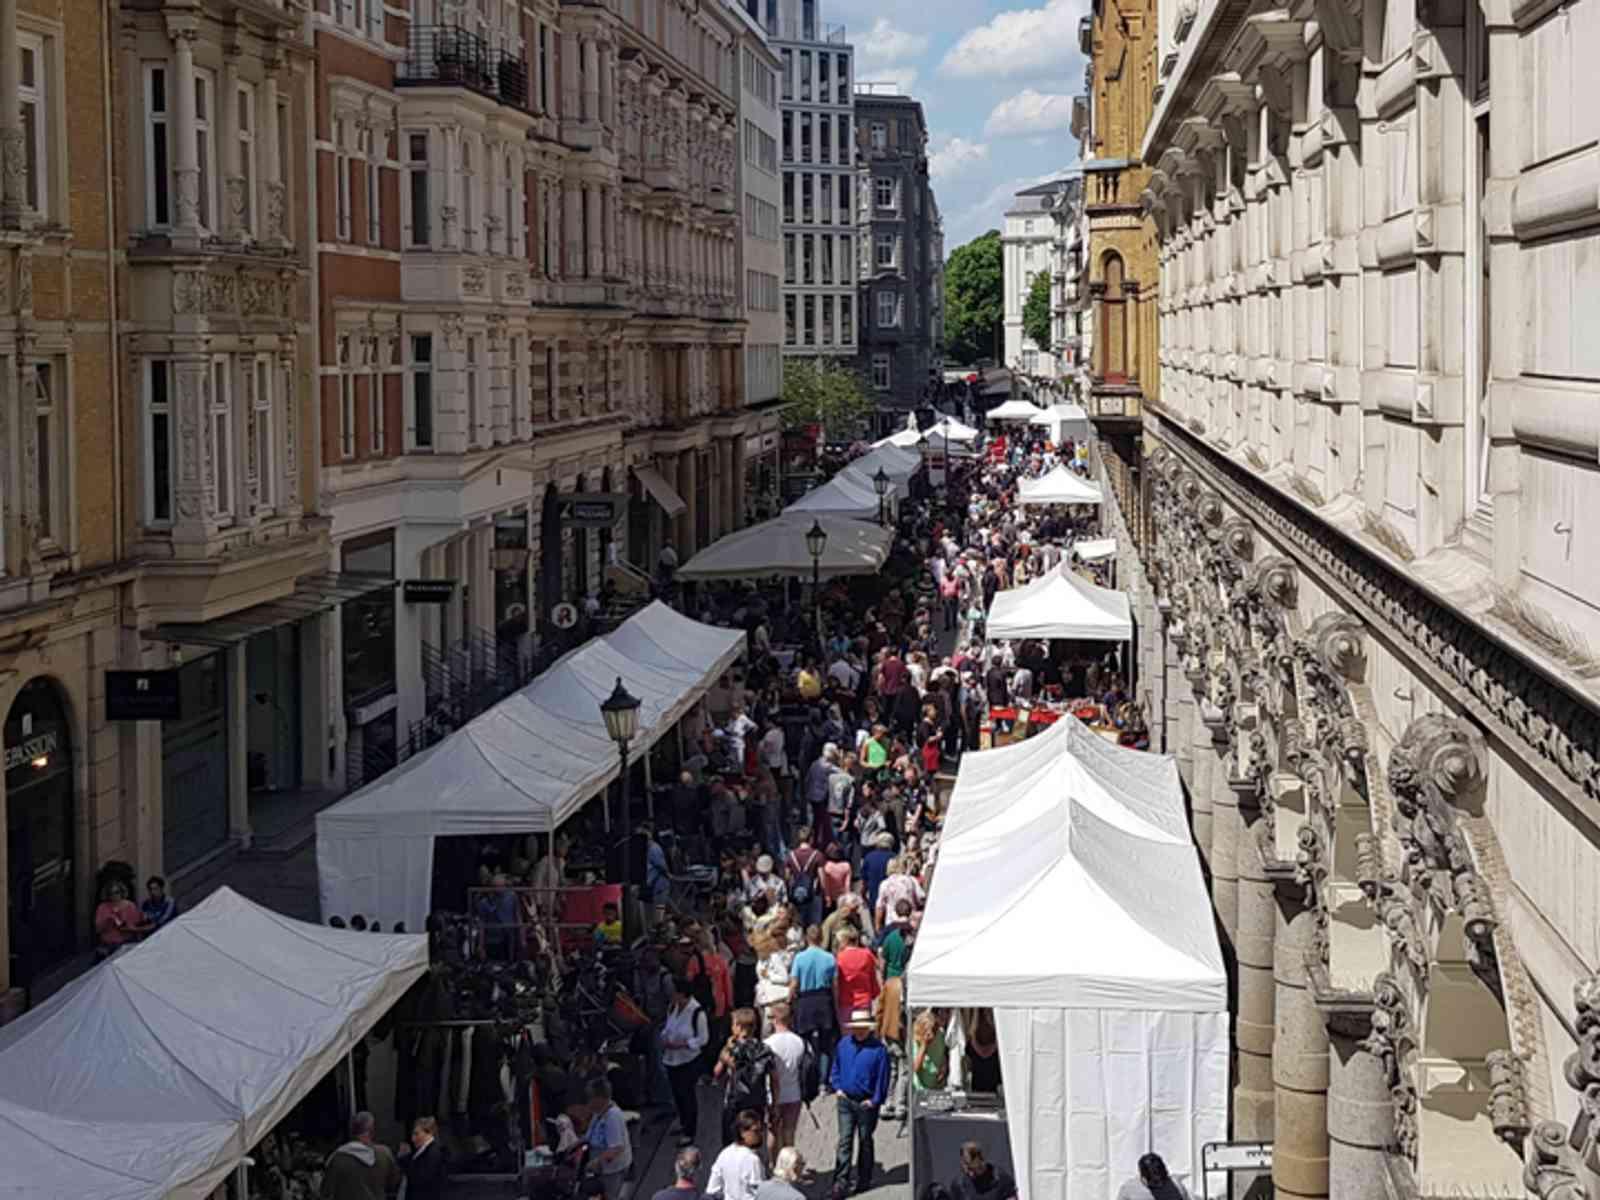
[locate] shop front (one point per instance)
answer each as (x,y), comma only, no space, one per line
(194,765)
(761,476)
(41,821)
(367,638)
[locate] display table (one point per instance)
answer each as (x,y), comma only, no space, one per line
(937,1138)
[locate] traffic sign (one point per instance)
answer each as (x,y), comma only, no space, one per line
(564,616)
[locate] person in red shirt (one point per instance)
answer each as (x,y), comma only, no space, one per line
(117,920)
(859,978)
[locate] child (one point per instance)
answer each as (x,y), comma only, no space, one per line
(610,928)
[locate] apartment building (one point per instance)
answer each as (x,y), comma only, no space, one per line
(530,232)
(1071,318)
(816,99)
(900,254)
(1027,242)
(761,261)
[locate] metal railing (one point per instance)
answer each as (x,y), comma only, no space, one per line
(449,54)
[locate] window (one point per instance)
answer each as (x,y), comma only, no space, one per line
(472,391)
(205,148)
(33,99)
(843,93)
(847,320)
(805,75)
(285,158)
(883,192)
(219,432)
(844,200)
(827,320)
(1027,226)
(888,310)
(808,270)
(825,258)
(419,189)
(377,433)
(788,137)
(880,372)
(883,250)
(808,331)
(422,391)
(788,74)
(47,480)
(511,223)
(807,213)
(847,258)
(844,139)
(469,199)
(825,199)
(376,151)
(347,400)
(789,304)
(880,135)
(514,384)
(788,196)
(157,151)
(805,137)
(788,258)
(255,377)
(341,181)
(157,441)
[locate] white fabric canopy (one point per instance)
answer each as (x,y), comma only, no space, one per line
(1059,604)
(1013,410)
(844,495)
(909,439)
(1065,421)
(898,462)
(1113,1033)
(524,766)
(1095,549)
(778,547)
(954,430)
(153,1075)
(1059,485)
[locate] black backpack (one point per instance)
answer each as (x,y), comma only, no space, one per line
(810,1074)
(749,1081)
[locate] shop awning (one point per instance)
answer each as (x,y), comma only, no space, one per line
(1013,410)
(524,766)
(778,547)
(313,594)
(1095,549)
(662,492)
(151,1077)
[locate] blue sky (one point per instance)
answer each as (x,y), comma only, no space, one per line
(996,79)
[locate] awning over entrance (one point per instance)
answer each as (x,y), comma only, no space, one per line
(662,492)
(312,595)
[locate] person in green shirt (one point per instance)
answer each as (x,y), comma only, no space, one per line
(930,1057)
(875,750)
(895,948)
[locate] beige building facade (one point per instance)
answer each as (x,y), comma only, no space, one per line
(1365,603)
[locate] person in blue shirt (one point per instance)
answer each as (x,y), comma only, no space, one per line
(657,877)
(860,1077)
(875,867)
(158,907)
(811,999)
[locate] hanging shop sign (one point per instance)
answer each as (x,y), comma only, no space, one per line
(564,616)
(143,696)
(591,510)
(428,591)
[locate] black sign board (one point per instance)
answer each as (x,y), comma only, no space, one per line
(428,591)
(591,510)
(143,696)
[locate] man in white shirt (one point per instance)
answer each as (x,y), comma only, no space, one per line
(740,727)
(843,674)
(789,1048)
(737,1172)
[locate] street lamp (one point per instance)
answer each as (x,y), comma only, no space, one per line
(816,543)
(880,484)
(621,713)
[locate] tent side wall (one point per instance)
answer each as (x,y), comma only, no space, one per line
(1089,1090)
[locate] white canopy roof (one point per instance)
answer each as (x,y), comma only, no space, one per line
(1114,1034)
(778,547)
(1095,549)
(524,766)
(1013,410)
(908,439)
(954,430)
(1059,485)
(153,1075)
(1065,421)
(844,495)
(1059,604)
(898,462)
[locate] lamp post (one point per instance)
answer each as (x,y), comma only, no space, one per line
(621,713)
(816,543)
(880,484)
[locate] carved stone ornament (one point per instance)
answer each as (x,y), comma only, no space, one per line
(1393,1042)
(1278,581)
(1239,538)
(1562,1163)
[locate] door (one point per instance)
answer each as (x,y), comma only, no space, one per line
(194,766)
(41,813)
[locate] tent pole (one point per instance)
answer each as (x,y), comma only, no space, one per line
(350,1065)
(649,788)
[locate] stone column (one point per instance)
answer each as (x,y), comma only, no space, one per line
(1226,833)
(688,517)
(1202,760)
(1360,1112)
(1256,1003)
(186,201)
(238,746)
(1299,1059)
(572,229)
(13,152)
(594,260)
(192,499)
(591,80)
(272,225)
(570,102)
(731,516)
(740,501)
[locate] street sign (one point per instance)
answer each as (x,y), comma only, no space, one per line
(564,616)
(143,696)
(1236,1156)
(591,510)
(428,591)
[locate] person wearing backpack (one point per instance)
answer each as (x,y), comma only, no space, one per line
(801,866)
(683,1037)
(748,1071)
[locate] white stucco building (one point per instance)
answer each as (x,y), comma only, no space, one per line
(1027,243)
(761,195)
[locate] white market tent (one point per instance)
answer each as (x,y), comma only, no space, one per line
(1065,421)
(151,1077)
(1095,549)
(909,439)
(953,430)
(844,495)
(1060,604)
(1113,1032)
(1059,485)
(1013,410)
(897,462)
(524,766)
(778,547)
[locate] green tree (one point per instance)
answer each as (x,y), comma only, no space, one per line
(1036,312)
(974,300)
(818,391)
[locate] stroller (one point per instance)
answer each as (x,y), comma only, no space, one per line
(565,1173)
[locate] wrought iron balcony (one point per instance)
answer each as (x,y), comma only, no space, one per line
(452,56)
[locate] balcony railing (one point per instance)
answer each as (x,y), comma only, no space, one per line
(450,55)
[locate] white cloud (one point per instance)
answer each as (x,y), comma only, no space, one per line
(894,80)
(1018,43)
(1030,113)
(886,45)
(989,212)
(955,155)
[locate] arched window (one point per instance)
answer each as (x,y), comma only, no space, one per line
(1113,328)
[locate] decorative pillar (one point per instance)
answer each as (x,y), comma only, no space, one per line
(1256,1004)
(1360,1110)
(192,500)
(1227,831)
(13,150)
(275,196)
(1201,760)
(731,516)
(1299,1059)
(186,224)
(591,80)
(741,502)
(594,258)
(688,517)
(572,229)
(570,96)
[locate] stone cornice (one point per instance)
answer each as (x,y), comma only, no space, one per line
(1554,728)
